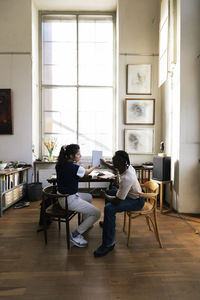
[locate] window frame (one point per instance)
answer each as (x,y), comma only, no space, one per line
(41,86)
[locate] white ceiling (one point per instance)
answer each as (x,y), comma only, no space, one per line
(80,5)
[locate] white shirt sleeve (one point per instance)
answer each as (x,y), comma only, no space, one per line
(80,172)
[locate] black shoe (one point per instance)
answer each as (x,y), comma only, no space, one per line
(101,224)
(103,250)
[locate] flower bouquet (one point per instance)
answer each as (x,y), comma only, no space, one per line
(50,145)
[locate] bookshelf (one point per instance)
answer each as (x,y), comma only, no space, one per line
(12,186)
(143,173)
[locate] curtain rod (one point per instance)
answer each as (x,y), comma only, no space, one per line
(138,54)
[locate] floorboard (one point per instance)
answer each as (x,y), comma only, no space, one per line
(29,269)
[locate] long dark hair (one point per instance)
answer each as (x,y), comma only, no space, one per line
(66,151)
(123,155)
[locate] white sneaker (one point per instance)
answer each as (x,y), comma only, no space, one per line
(78,241)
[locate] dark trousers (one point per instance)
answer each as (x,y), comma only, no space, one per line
(110,211)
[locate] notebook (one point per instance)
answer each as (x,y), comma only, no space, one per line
(96,156)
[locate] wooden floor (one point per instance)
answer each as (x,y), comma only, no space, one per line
(31,270)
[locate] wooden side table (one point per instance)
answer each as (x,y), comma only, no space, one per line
(161,184)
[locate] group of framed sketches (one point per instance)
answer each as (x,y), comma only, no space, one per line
(139,111)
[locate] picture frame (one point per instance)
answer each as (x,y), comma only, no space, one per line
(139,141)
(6,121)
(138,79)
(139,112)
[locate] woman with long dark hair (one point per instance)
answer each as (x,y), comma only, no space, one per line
(68,172)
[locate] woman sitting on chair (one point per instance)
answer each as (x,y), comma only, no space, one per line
(68,172)
(126,198)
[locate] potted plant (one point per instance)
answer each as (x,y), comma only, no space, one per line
(3,164)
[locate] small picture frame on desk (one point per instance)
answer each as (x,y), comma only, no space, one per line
(139,111)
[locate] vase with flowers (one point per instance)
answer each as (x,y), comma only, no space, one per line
(50,144)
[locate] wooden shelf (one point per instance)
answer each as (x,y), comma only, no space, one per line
(12,186)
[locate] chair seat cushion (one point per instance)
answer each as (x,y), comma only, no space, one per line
(57,211)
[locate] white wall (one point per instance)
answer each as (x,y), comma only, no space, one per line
(138,40)
(181,110)
(15,73)
(189,186)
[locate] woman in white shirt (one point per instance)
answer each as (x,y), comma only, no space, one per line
(68,172)
(126,199)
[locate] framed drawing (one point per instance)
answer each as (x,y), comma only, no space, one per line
(5,112)
(140,111)
(138,79)
(139,141)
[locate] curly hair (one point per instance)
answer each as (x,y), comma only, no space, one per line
(123,155)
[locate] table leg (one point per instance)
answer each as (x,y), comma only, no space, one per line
(161,198)
(171,195)
(35,180)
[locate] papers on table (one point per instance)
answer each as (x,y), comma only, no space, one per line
(101,173)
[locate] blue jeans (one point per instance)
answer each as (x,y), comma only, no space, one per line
(110,211)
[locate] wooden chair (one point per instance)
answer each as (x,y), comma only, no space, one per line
(150,195)
(54,212)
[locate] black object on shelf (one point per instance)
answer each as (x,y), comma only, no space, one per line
(162,168)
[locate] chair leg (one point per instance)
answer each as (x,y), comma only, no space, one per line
(148,223)
(59,223)
(156,228)
(124,226)
(79,218)
(45,228)
(67,234)
(129,230)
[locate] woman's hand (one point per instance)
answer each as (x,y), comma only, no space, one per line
(88,171)
(96,167)
(116,201)
(112,199)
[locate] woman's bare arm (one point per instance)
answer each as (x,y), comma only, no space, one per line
(88,171)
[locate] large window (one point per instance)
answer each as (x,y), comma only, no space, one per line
(77,81)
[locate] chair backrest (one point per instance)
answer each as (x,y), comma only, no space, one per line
(50,194)
(151,186)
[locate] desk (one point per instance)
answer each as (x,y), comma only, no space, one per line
(161,184)
(88,179)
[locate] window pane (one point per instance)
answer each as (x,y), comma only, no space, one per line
(59,51)
(95,50)
(60,113)
(96,120)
